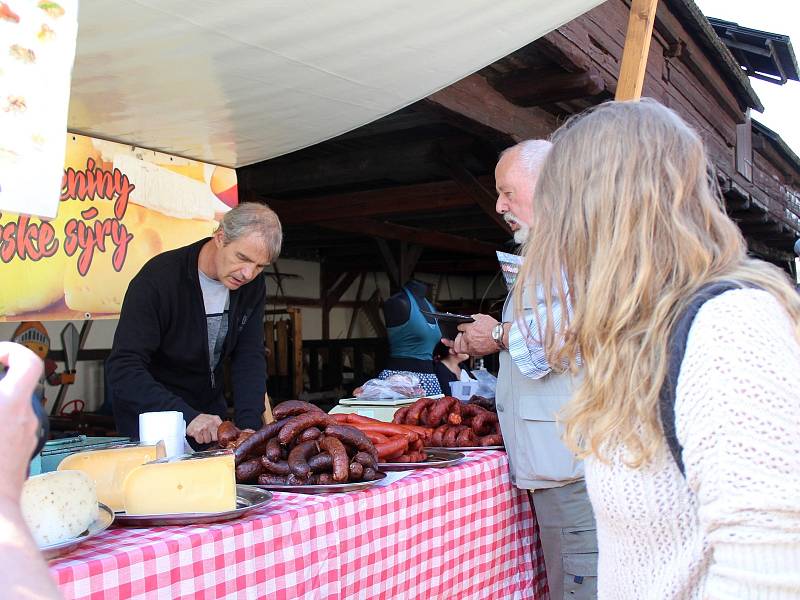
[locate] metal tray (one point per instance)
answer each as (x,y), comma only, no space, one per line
(248,498)
(103,521)
(463,448)
(319,488)
(436,459)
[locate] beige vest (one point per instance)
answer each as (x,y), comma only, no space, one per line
(527,410)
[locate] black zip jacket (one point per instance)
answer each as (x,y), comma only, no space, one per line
(159,360)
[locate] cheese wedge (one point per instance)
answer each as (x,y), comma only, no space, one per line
(204,482)
(58,506)
(109,467)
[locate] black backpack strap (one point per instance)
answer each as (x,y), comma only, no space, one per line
(677,348)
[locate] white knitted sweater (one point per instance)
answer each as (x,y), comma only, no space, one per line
(731,528)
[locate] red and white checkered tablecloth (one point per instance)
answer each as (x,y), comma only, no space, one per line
(462,532)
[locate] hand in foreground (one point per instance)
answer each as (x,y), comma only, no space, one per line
(475,338)
(203,428)
(18,422)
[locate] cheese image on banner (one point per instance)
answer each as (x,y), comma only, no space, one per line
(120,206)
(160,189)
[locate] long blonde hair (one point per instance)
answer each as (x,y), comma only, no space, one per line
(626,210)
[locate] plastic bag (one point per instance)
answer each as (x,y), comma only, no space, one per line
(488,383)
(399,385)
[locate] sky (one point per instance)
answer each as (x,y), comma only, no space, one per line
(781,102)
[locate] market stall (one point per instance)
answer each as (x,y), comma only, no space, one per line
(463,531)
(460,532)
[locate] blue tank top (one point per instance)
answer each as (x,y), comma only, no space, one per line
(416,337)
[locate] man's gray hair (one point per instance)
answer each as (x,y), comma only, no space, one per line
(531,153)
(251,217)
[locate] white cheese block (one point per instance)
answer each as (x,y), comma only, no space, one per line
(58,506)
(204,482)
(109,467)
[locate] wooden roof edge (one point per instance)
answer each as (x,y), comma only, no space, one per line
(697,23)
(778,143)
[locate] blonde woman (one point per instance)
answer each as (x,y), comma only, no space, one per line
(626,209)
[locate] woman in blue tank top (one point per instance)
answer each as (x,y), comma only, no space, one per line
(412,336)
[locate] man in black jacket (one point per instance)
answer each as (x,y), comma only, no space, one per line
(184,313)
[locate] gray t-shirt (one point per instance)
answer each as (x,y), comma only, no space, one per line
(215,298)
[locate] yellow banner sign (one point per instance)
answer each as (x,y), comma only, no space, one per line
(119,207)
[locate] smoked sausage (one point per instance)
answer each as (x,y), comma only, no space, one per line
(273,450)
(400,415)
(226,433)
(290,408)
(320,462)
(352,437)
(356,471)
(415,411)
(339,458)
(312,433)
(437,440)
(296,425)
(254,445)
(298,458)
(275,467)
(366,459)
(466,437)
(249,470)
(494,439)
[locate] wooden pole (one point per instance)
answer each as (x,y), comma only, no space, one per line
(297,350)
(637,46)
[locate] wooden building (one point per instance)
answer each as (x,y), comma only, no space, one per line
(414,191)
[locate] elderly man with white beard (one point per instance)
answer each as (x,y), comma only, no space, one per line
(529,396)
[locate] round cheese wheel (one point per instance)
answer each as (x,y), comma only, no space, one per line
(58,506)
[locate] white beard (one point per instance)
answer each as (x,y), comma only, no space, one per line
(521,234)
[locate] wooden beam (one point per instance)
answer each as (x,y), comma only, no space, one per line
(352,325)
(391,160)
(371,309)
(637,47)
(535,87)
(309,302)
(282,349)
(392,270)
(760,229)
(467,266)
(474,188)
(429,239)
(409,257)
(402,120)
(325,282)
(754,218)
(343,284)
(297,350)
(475,99)
(424,197)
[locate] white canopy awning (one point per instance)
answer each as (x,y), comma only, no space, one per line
(238,82)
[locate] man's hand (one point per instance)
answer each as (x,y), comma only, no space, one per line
(203,428)
(18,422)
(475,338)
